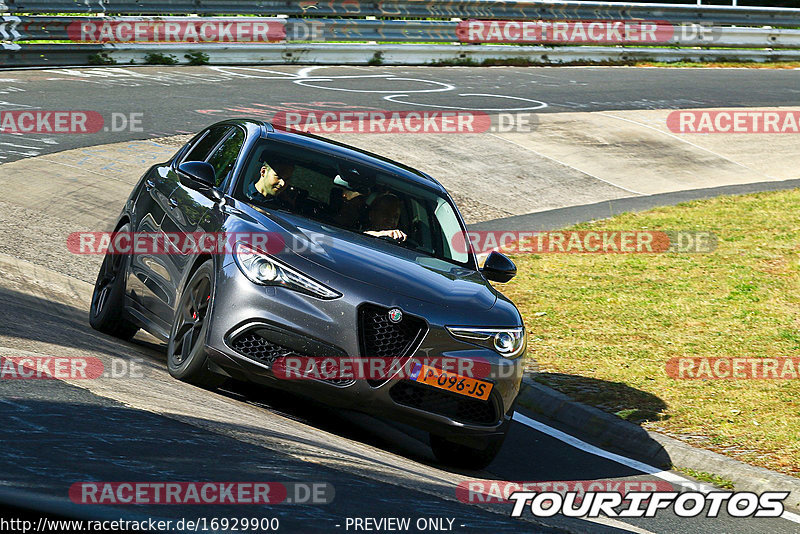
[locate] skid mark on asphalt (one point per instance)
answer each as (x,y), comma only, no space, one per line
(566,165)
(684,140)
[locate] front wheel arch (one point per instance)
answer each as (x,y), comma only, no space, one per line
(192,365)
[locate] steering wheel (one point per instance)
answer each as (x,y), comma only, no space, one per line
(407,243)
(411,242)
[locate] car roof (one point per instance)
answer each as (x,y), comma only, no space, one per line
(336,148)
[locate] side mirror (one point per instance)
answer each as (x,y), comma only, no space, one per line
(499,268)
(197,174)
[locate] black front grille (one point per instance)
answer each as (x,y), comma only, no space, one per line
(381,338)
(454,406)
(264,351)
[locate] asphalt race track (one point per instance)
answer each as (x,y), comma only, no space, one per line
(183,100)
(151,427)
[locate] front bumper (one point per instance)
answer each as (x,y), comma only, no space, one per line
(323,328)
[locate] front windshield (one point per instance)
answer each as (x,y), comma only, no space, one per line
(336,191)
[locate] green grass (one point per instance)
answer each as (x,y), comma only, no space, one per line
(709,478)
(611,322)
(724,64)
(156,58)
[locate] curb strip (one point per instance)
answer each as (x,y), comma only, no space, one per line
(617,435)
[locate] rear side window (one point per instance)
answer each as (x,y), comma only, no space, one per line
(224,157)
(201,150)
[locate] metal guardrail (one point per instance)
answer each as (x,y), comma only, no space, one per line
(27,28)
(479,9)
(405,54)
(432,21)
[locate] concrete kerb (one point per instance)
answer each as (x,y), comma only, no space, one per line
(560,218)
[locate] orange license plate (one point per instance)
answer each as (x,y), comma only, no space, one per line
(463,385)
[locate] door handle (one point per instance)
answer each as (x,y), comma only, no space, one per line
(149,184)
(172,203)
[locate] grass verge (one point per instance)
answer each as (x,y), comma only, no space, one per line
(709,478)
(723,64)
(602,327)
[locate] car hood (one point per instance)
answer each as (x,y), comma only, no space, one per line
(382,264)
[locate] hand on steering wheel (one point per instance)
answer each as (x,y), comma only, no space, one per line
(391,235)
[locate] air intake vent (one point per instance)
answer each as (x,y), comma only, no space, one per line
(456,407)
(266,352)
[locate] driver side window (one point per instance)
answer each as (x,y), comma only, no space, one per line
(224,157)
(201,150)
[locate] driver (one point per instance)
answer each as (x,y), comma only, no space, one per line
(383,217)
(273,181)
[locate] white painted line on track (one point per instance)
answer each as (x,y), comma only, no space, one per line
(348,76)
(45,140)
(304,72)
(608,522)
(230,70)
(441,85)
(669,476)
(538,103)
(20,146)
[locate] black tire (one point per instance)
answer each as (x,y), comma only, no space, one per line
(186,352)
(463,457)
(107,310)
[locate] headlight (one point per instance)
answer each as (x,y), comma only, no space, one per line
(508,342)
(264,270)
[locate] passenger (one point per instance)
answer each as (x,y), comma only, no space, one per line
(349,205)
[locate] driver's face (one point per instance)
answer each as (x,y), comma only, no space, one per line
(276,179)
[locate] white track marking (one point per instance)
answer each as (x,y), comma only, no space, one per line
(669,476)
(305,78)
(20,146)
(14,106)
(608,522)
(567,165)
(539,103)
(45,140)
(670,134)
(4,154)
(443,86)
(303,73)
(346,76)
(280,75)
